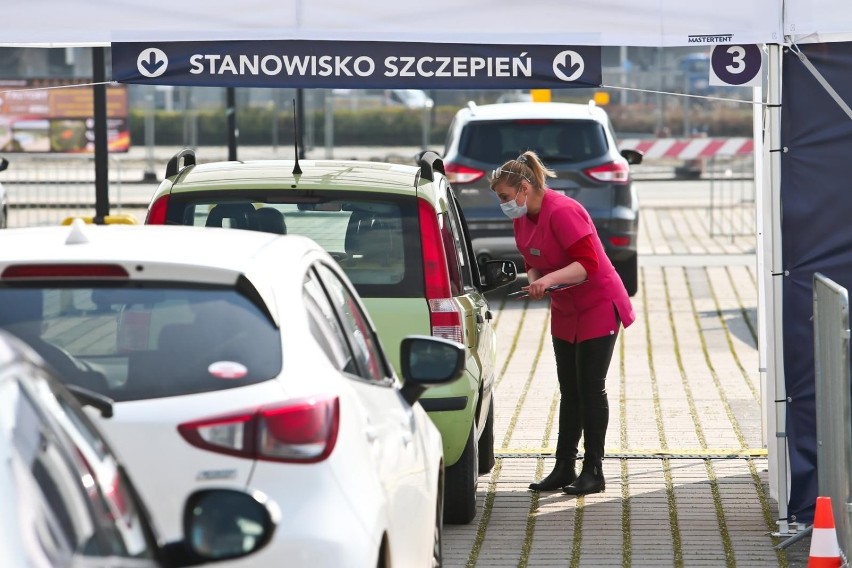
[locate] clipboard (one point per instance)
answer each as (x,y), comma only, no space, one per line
(555,288)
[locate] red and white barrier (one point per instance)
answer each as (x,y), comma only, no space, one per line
(688,148)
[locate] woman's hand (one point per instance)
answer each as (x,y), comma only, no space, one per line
(538,284)
(537,289)
(533,276)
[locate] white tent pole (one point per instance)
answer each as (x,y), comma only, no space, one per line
(760,223)
(774,295)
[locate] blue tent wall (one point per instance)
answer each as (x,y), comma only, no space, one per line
(816,235)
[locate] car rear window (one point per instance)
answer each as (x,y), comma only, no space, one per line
(553,140)
(374,237)
(132,342)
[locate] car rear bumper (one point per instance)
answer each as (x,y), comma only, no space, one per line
(321,546)
(330,539)
(444,404)
(452,409)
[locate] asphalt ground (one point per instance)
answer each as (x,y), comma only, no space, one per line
(686,466)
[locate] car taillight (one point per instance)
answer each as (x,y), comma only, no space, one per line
(619,241)
(613,172)
(64,271)
(157,212)
(114,494)
(444,314)
(301,431)
(445,319)
(457,174)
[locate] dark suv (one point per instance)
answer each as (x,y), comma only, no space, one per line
(577,141)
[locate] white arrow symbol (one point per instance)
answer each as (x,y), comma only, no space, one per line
(568,65)
(152,62)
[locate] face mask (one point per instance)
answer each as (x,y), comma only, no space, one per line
(513,210)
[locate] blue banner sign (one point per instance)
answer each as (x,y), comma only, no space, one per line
(358,65)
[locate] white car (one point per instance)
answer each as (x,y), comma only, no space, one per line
(241,359)
(67,500)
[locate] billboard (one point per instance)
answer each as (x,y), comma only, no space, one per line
(44,115)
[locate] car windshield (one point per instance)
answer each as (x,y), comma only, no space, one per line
(157,340)
(374,238)
(553,140)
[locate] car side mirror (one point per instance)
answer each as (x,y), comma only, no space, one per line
(223,524)
(497,273)
(633,157)
(429,361)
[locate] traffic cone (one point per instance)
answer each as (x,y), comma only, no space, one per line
(825,552)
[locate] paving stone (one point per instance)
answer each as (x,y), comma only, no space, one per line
(684,378)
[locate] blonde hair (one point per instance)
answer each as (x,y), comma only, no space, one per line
(527,166)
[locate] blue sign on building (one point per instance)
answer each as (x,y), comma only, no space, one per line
(360,65)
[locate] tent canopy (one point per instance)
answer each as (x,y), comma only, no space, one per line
(660,23)
(650,23)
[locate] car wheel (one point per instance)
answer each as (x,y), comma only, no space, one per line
(438,541)
(629,272)
(486,442)
(461,481)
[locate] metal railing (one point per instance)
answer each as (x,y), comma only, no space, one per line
(732,196)
(833,405)
(47,189)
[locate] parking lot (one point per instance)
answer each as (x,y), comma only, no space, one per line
(686,469)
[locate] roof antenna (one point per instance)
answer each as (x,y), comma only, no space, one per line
(296,169)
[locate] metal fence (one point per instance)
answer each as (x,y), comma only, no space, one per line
(833,406)
(46,189)
(732,196)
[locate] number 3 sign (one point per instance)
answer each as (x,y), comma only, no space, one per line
(737,65)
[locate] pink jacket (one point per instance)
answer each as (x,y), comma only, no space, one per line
(582,312)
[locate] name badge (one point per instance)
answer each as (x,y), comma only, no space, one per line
(535,252)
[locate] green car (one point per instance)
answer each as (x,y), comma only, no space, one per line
(400,236)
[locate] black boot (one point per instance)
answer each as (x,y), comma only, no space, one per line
(563,474)
(591,479)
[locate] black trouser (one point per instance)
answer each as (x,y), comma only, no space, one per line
(583,408)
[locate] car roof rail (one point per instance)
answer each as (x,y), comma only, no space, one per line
(188,157)
(430,162)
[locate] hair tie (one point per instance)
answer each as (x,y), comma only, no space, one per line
(522,159)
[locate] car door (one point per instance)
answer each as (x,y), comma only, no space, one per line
(390,425)
(483,341)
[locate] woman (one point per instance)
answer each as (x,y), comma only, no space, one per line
(560,246)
